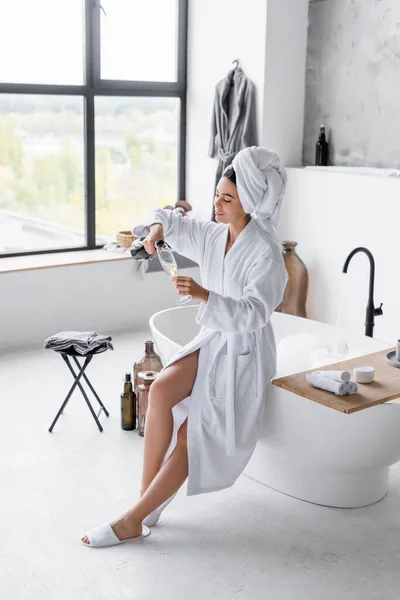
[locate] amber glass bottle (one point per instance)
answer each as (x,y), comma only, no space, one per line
(145,378)
(148,361)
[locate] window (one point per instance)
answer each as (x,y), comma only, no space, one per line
(136,158)
(138,40)
(41,172)
(37,45)
(92,119)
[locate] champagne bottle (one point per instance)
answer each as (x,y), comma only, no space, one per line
(321,149)
(148,361)
(128,405)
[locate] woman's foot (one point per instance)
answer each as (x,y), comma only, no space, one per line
(124,528)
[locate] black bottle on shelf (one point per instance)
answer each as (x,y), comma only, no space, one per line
(321,149)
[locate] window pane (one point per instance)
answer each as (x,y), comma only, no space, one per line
(136,159)
(41,172)
(41,41)
(139,40)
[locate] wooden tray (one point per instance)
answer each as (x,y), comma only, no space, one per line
(385,387)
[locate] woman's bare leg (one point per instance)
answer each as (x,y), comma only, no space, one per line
(168,480)
(172,386)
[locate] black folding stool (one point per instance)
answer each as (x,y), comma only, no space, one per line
(82,368)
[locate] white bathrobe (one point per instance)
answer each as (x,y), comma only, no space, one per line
(237,356)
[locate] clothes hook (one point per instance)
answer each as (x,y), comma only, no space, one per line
(98,2)
(235,63)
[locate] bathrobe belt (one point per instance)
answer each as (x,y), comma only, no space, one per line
(229,393)
(226,156)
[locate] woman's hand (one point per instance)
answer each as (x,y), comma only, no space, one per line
(187,285)
(156,233)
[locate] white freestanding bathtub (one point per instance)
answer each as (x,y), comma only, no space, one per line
(307,450)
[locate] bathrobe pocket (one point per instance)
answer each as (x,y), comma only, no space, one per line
(245,377)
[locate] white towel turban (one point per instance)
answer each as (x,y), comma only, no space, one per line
(261,183)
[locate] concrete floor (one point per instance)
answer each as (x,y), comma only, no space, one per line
(247,542)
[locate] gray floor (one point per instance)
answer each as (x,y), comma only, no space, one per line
(246,542)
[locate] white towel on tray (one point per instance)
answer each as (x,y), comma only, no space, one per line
(326,383)
(335,375)
(352,387)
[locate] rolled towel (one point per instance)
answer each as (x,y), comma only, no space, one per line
(352,387)
(325,383)
(335,375)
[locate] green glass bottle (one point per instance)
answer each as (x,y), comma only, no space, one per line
(128,405)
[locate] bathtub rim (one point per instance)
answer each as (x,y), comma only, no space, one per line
(165,310)
(282,315)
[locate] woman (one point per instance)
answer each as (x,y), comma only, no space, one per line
(206,406)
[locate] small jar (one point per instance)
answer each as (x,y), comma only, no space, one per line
(364,374)
(145,378)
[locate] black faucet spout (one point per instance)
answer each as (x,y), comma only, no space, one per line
(371,311)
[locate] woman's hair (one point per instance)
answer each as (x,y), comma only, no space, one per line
(230,174)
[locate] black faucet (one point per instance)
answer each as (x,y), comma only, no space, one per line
(371,311)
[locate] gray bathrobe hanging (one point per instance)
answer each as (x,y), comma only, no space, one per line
(233,125)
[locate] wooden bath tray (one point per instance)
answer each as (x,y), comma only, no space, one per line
(385,387)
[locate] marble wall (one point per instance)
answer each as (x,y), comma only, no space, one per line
(353,81)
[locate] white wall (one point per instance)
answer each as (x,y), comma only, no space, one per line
(269,37)
(105,297)
(284,79)
(330,214)
(219,32)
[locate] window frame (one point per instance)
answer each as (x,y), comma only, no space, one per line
(93,87)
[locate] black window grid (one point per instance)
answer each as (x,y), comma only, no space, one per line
(94,87)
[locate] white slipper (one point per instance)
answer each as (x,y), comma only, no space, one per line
(153,518)
(104,536)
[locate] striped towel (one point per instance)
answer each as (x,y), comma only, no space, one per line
(82,342)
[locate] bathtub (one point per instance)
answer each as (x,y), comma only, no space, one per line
(307,450)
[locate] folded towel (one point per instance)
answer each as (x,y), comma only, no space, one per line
(352,387)
(325,383)
(335,375)
(82,342)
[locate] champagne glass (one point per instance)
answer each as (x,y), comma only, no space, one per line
(168,263)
